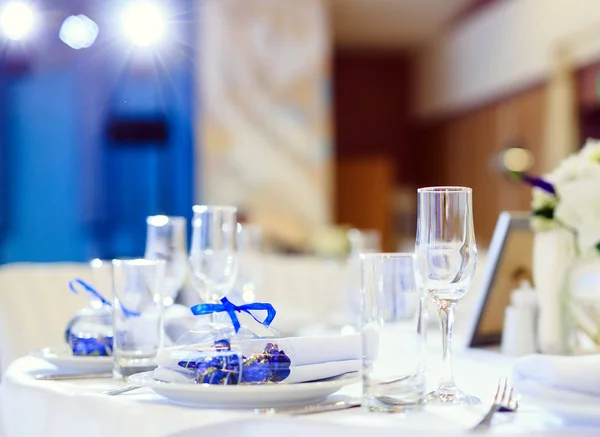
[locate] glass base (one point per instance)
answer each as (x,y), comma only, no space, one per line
(387,404)
(125,367)
(450,396)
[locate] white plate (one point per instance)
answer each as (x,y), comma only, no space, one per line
(65,361)
(242,396)
(573,413)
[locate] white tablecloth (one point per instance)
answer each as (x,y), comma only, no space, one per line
(34,408)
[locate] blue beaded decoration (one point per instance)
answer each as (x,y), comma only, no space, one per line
(279,362)
(272,365)
(91,347)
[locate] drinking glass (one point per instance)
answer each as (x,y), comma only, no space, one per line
(166,240)
(136,314)
(213,259)
(102,276)
(394,374)
(446,258)
(250,262)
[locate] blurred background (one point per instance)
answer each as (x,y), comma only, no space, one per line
(312,117)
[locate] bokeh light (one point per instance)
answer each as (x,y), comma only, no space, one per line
(517,160)
(144,23)
(17,20)
(78,32)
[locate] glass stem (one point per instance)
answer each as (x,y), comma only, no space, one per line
(214,317)
(161,323)
(446,314)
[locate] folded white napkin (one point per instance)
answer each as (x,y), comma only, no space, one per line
(565,379)
(567,386)
(312,358)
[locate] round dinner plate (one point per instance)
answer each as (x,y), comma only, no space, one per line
(64,360)
(242,396)
(574,413)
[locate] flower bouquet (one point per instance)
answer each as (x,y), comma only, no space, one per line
(566,220)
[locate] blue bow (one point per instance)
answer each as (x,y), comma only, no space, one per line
(227,307)
(87,287)
(91,290)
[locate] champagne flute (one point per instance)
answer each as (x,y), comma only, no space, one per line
(166,240)
(213,258)
(446,256)
(250,264)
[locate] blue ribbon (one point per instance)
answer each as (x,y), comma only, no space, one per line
(87,287)
(227,307)
(95,293)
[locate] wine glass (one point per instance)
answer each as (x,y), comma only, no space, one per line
(166,240)
(250,247)
(213,257)
(446,256)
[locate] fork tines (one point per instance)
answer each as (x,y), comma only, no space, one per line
(503,401)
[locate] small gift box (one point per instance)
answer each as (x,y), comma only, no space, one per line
(90,331)
(246,360)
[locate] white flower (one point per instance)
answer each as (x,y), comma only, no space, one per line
(591,151)
(539,224)
(542,199)
(579,206)
(573,167)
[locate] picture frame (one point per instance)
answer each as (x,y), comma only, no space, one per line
(509,262)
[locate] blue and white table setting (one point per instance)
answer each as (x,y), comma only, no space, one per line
(222,365)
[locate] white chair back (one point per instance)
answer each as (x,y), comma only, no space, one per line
(35,306)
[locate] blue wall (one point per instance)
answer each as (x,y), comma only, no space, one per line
(40,149)
(68,194)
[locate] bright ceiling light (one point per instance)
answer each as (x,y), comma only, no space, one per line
(143,23)
(78,32)
(17,20)
(517,159)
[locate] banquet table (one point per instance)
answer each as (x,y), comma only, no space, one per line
(31,408)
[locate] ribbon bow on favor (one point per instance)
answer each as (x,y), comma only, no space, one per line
(87,287)
(95,293)
(227,307)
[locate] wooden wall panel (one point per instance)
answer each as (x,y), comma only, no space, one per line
(461,151)
(373,125)
(365,188)
(527,110)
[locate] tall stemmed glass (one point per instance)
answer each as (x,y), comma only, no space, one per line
(446,256)
(250,261)
(166,240)
(213,258)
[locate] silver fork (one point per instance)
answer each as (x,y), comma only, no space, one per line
(118,391)
(503,402)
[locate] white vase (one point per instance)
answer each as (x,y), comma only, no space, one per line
(582,305)
(553,256)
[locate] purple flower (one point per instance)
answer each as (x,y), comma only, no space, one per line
(537,182)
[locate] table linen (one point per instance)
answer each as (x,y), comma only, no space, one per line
(73,408)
